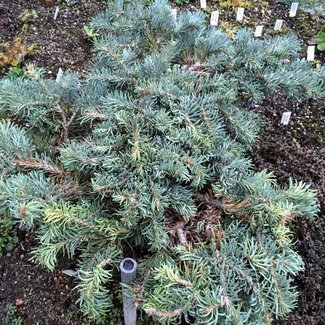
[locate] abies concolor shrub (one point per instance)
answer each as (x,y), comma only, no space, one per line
(148,157)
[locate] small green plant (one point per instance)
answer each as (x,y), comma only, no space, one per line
(28,16)
(320,39)
(11,316)
(181,2)
(16,72)
(7,239)
(90,33)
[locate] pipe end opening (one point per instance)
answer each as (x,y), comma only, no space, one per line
(128,265)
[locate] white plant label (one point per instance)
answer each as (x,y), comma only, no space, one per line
(174,14)
(240,14)
(311,53)
(278,24)
(285,118)
(20,56)
(214,18)
(203,4)
(59,75)
(69,272)
(293,9)
(56,13)
(259,31)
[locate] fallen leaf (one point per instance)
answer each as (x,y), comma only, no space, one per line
(19,302)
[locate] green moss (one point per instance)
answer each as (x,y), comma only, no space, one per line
(304,24)
(28,16)
(12,54)
(234,3)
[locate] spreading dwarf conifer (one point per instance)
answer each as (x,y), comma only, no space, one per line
(314,7)
(149,157)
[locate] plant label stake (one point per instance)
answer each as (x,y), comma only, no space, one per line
(20,56)
(69,272)
(259,31)
(56,13)
(240,14)
(278,24)
(203,4)
(285,118)
(311,53)
(293,9)
(174,13)
(128,269)
(59,75)
(214,18)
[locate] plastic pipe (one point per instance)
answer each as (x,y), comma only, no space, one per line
(128,269)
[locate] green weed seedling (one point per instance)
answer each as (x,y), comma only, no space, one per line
(320,39)
(16,72)
(7,239)
(11,316)
(90,33)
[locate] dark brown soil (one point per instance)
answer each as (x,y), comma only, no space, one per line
(296,150)
(41,297)
(59,43)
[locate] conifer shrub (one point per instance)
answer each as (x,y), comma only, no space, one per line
(314,7)
(148,157)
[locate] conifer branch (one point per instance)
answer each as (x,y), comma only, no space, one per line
(221,203)
(67,122)
(36,163)
(163,314)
